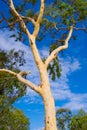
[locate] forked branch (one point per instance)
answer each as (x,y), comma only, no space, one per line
(23,26)
(54,53)
(39,19)
(8,71)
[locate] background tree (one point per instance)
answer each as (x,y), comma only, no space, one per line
(79,121)
(13,119)
(63,117)
(66,119)
(10,90)
(58,17)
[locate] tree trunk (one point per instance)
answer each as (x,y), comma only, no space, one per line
(50,113)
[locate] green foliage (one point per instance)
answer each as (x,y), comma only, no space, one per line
(11,60)
(54,69)
(66,120)
(31,1)
(13,119)
(58,16)
(25,8)
(10,87)
(63,117)
(61,13)
(72,12)
(10,90)
(79,121)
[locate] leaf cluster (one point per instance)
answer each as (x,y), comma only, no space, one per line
(54,69)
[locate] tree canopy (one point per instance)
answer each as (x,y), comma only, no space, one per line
(58,16)
(63,117)
(13,119)
(66,119)
(79,121)
(10,90)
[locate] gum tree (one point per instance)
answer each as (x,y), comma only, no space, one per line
(59,15)
(63,117)
(79,121)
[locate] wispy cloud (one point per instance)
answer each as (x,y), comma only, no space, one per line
(42,128)
(60,88)
(77,101)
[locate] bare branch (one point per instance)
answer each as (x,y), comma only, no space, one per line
(8,71)
(64,28)
(27,82)
(20,18)
(3,17)
(7,21)
(23,80)
(13,23)
(54,53)
(39,19)
(28,19)
(83,28)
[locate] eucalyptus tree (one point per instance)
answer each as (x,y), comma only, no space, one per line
(66,119)
(63,118)
(13,119)
(54,17)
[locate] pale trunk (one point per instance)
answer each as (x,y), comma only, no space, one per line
(45,92)
(49,105)
(50,113)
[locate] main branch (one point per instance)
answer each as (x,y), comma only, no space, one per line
(54,53)
(23,80)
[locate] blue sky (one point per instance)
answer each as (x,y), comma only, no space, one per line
(70,91)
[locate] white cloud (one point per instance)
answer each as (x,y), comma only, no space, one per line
(9,43)
(62,90)
(60,87)
(77,101)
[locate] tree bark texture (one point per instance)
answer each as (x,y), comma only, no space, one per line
(50,113)
(49,104)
